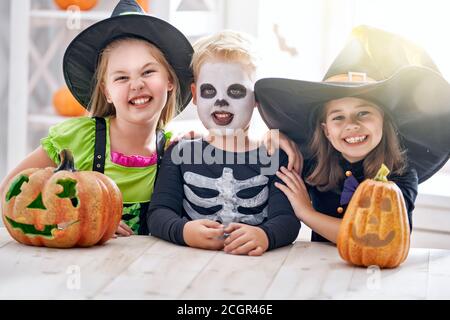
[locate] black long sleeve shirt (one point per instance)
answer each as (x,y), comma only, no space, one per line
(191,186)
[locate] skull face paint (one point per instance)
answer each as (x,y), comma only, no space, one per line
(224,96)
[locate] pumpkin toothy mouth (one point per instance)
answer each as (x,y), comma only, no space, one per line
(46,232)
(372,239)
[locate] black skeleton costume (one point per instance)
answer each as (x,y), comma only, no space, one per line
(194,183)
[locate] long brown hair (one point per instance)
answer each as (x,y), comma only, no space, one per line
(328,174)
(100,107)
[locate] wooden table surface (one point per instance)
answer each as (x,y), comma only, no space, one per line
(142,267)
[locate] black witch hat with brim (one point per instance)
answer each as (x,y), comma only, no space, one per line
(408,86)
(127,20)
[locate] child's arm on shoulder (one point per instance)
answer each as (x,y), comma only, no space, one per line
(296,192)
(282,226)
(275,139)
(36,159)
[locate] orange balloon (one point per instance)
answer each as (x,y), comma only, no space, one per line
(65,104)
(82,4)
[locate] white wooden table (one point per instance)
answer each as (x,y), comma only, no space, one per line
(142,267)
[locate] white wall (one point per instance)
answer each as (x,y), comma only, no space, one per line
(4,67)
(431,222)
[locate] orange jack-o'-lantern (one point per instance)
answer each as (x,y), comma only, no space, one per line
(61,208)
(375,228)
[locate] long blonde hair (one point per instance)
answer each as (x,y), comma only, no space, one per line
(100,107)
(328,174)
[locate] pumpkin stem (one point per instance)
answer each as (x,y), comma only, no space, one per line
(67,162)
(382,174)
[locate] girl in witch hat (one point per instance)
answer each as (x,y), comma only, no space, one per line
(383,100)
(131,71)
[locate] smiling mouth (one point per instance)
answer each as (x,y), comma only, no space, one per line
(140,101)
(222,118)
(356,139)
(372,239)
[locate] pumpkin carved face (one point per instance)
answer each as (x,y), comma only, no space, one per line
(61,208)
(375,228)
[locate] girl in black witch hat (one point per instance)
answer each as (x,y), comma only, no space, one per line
(383,101)
(132,72)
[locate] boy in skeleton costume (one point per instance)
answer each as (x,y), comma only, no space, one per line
(219,193)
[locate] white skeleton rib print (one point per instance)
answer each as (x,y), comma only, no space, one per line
(228,187)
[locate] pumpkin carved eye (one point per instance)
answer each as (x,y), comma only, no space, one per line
(364,202)
(386,205)
(14,190)
(69,190)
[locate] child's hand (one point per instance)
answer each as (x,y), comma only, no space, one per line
(295,190)
(203,234)
(245,239)
(274,139)
(124,230)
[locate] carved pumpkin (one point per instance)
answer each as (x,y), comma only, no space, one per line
(82,4)
(375,228)
(61,208)
(66,105)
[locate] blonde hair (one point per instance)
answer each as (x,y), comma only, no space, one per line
(328,174)
(100,107)
(226,45)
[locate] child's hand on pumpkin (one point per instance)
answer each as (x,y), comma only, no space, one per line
(203,234)
(124,230)
(245,239)
(274,139)
(295,190)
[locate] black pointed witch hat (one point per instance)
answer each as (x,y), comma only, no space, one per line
(127,20)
